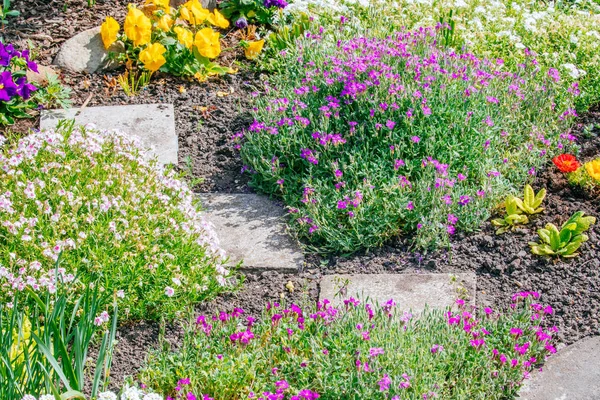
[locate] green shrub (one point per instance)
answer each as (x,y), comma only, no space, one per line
(114,217)
(355,352)
(368,138)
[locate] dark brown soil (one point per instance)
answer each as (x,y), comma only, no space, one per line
(208,114)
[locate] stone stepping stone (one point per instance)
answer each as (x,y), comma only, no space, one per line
(154,124)
(409,291)
(85,52)
(571,374)
(251,228)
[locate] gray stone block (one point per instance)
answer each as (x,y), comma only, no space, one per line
(85,52)
(154,124)
(409,291)
(571,374)
(251,228)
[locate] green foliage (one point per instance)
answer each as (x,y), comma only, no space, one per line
(6,12)
(45,340)
(514,216)
(566,241)
(117,219)
(530,204)
(253,11)
(344,352)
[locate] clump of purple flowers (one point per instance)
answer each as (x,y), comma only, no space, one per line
(15,90)
(421,131)
(305,353)
(275,3)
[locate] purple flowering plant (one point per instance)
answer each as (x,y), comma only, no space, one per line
(379,137)
(243,12)
(357,350)
(15,91)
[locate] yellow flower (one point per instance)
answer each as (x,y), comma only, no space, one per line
(164,4)
(217,19)
(254,49)
(138,27)
(185,36)
(152,56)
(193,12)
(207,43)
(165,23)
(108,31)
(593,169)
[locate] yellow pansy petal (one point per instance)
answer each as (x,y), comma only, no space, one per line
(152,57)
(254,49)
(109,31)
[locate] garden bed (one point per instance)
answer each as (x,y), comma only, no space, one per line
(206,117)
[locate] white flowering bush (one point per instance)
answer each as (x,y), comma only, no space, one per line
(96,202)
(128,392)
(565,36)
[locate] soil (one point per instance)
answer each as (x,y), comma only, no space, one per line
(206,117)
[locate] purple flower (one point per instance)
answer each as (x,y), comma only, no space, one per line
(410,206)
(241,23)
(25,88)
(384,383)
(275,3)
(415,139)
(7,87)
(376,351)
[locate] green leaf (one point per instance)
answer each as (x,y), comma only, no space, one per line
(528,196)
(539,197)
(46,351)
(72,394)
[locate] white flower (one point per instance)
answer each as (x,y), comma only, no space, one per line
(169,291)
(131,393)
(121,294)
(153,396)
(107,396)
(47,397)
(573,71)
(28,397)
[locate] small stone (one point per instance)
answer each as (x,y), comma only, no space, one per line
(573,373)
(409,291)
(85,52)
(41,77)
(522,254)
(154,124)
(516,263)
(252,229)
(488,241)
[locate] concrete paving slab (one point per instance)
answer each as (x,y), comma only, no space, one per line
(409,291)
(154,124)
(251,228)
(571,374)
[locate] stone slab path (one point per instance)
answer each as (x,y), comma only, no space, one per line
(571,374)
(252,229)
(409,291)
(154,124)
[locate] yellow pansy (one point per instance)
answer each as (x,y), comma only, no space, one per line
(217,19)
(165,23)
(138,27)
(152,57)
(254,49)
(207,43)
(164,4)
(593,169)
(184,36)
(193,12)
(109,31)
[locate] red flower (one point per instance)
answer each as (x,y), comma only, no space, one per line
(566,163)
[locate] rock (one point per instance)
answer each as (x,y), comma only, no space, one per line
(252,229)
(154,124)
(409,291)
(41,77)
(522,254)
(85,52)
(209,4)
(573,373)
